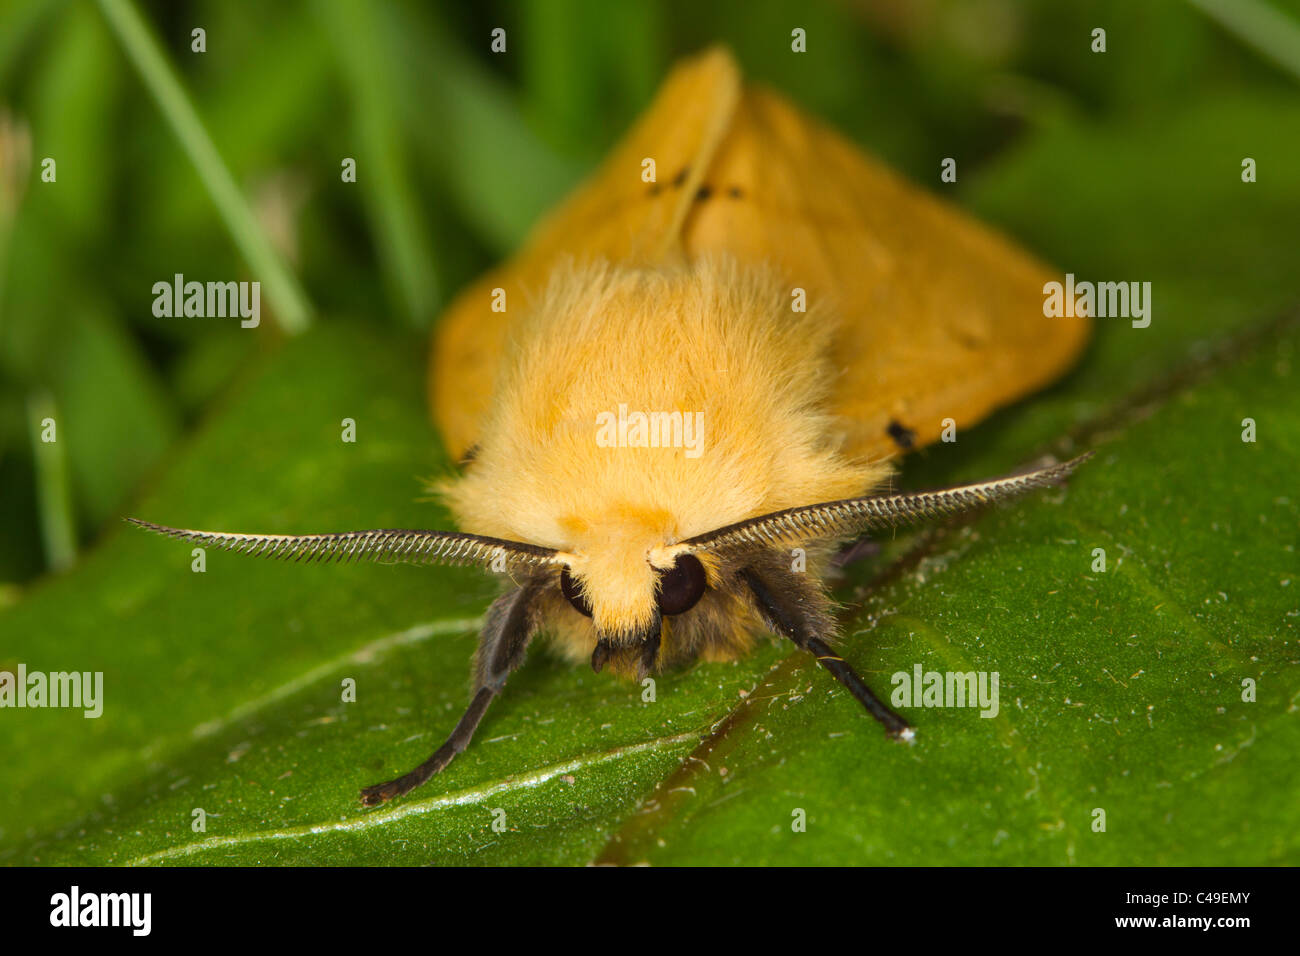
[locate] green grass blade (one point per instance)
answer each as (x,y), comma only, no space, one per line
(290,305)
(53,485)
(1266,30)
(370,71)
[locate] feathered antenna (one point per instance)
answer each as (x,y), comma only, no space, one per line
(853,516)
(392,545)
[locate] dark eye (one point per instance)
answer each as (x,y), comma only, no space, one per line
(574,593)
(682,585)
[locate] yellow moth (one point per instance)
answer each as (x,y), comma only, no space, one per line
(677,399)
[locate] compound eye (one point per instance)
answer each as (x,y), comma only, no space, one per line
(682,585)
(574,593)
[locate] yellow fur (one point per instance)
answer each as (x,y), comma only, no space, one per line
(713,337)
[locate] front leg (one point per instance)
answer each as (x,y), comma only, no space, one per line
(509,626)
(792,606)
(854,551)
(650,647)
(644,645)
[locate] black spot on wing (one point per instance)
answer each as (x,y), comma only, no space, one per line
(903,436)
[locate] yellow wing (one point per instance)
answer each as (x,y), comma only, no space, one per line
(940,317)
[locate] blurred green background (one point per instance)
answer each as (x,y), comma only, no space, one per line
(460,150)
(1123,165)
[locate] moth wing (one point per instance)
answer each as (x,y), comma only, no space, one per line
(940,317)
(614,215)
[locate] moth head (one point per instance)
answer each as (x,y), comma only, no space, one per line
(678,587)
(627,574)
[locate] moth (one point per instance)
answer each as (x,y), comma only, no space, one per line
(738,268)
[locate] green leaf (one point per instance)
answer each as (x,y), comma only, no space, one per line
(1119,691)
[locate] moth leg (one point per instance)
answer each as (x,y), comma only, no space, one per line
(649,641)
(863,547)
(379,793)
(792,607)
(650,648)
(508,628)
(601,654)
